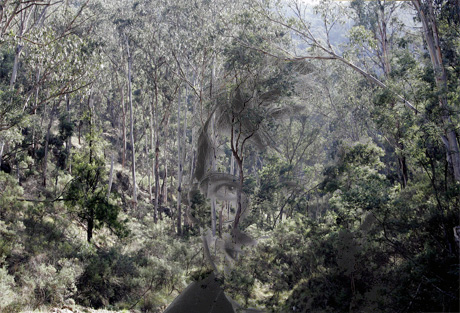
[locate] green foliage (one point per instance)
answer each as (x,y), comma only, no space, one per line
(199,209)
(7,290)
(378,247)
(87,195)
(275,182)
(106,279)
(11,113)
(355,163)
(326,267)
(10,211)
(355,213)
(144,277)
(51,284)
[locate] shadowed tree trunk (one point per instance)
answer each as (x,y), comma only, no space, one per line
(156,167)
(179,172)
(110,177)
(214,169)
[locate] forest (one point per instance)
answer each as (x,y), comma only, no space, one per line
(229,156)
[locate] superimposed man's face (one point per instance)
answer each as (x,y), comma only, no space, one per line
(224,187)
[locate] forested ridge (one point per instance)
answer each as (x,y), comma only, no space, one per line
(273,156)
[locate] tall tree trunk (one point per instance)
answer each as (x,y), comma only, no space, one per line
(214,169)
(14,75)
(133,155)
(149,170)
(232,164)
(90,225)
(90,109)
(2,145)
(239,211)
(214,145)
(384,40)
(90,217)
(179,172)
(18,175)
(431,34)
(79,131)
(156,168)
(164,185)
(69,140)
(221,220)
(45,159)
(403,166)
(110,176)
(184,137)
(152,149)
(123,120)
(234,142)
(386,67)
(123,126)
(37,78)
(24,18)
(192,152)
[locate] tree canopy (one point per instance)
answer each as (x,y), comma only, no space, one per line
(243,156)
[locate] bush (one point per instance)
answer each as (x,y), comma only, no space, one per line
(7,292)
(47,284)
(106,279)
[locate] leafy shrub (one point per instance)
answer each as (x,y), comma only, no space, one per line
(7,292)
(46,284)
(107,278)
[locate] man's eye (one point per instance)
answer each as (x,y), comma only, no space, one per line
(224,189)
(222,186)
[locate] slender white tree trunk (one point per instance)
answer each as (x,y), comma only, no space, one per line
(24,18)
(2,145)
(133,155)
(123,125)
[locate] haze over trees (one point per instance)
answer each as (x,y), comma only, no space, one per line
(299,158)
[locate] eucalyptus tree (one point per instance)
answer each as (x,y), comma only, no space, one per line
(57,59)
(155,72)
(123,20)
(193,29)
(184,46)
(383,42)
(52,47)
(15,17)
(430,15)
(121,34)
(322,48)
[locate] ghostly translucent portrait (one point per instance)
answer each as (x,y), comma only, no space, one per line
(243,114)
